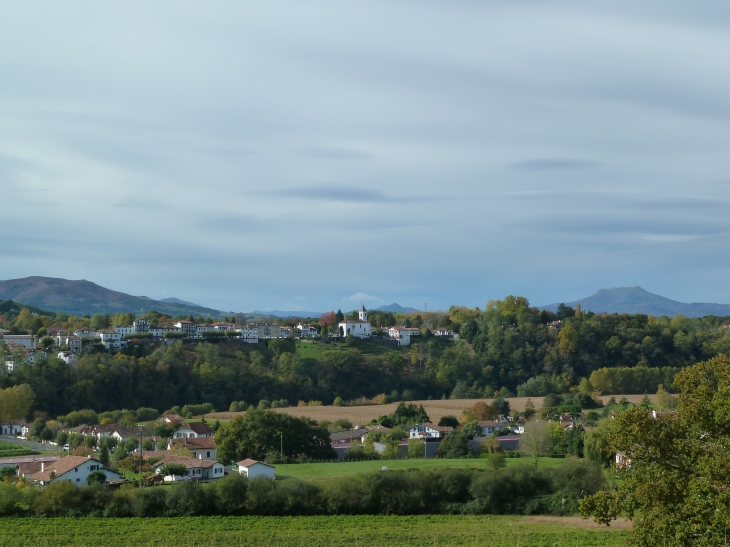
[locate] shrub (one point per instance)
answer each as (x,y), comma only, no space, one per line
(96,477)
(146,414)
(190,411)
(189,499)
(454,445)
(238,406)
(231,492)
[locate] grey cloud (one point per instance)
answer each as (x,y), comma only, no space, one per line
(334,153)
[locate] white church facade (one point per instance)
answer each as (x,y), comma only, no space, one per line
(359,328)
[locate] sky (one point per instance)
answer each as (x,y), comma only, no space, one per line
(319,155)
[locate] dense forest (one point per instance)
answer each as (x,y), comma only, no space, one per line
(508,348)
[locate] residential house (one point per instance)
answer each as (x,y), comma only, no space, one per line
(203,448)
(14,461)
(193,430)
(307,331)
(253,469)
(249,335)
(224,327)
(159,331)
(428,430)
(443,331)
(286,332)
(555,325)
(171,419)
(188,328)
(622,461)
(86,334)
(141,326)
(401,334)
(11,428)
(124,330)
(199,469)
(26,340)
(266,331)
(67,357)
(74,343)
(74,469)
(490,427)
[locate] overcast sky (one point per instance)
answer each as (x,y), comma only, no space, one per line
(310,156)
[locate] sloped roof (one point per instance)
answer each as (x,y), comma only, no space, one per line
(61,467)
(195,442)
(190,463)
(198,427)
(248,462)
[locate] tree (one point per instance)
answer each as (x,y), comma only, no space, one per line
(675,484)
(339,317)
(454,445)
(449,421)
(416,448)
(96,477)
(262,432)
(501,406)
(479,412)
(61,439)
(595,442)
(529,409)
(665,401)
(16,402)
(172,470)
(536,441)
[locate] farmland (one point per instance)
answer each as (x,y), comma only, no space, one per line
(340,469)
(425,530)
(435,409)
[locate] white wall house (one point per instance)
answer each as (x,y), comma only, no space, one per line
(74,469)
(86,333)
(67,357)
(306,330)
(200,469)
(26,340)
(159,331)
(443,332)
(124,330)
(401,334)
(249,335)
(141,326)
(429,431)
(253,469)
(490,427)
(193,430)
(188,328)
(203,448)
(11,428)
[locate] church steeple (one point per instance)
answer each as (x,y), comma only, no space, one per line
(363,313)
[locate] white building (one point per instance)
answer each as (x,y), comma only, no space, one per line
(401,334)
(86,334)
(443,332)
(141,326)
(249,335)
(124,330)
(109,335)
(307,331)
(26,340)
(74,469)
(253,469)
(193,430)
(188,328)
(159,331)
(200,469)
(429,431)
(490,427)
(359,328)
(203,448)
(67,357)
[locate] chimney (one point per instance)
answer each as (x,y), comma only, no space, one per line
(43,466)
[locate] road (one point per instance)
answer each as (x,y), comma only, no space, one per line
(28,444)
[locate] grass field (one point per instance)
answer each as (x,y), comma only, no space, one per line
(315,350)
(341,469)
(336,531)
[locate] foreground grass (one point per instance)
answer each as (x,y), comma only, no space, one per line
(341,469)
(302,531)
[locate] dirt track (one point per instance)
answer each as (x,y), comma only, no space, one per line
(435,409)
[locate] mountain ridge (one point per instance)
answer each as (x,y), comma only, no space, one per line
(82,297)
(638,300)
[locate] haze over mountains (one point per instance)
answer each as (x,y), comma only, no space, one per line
(638,300)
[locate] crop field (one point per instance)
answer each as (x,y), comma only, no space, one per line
(341,469)
(335,531)
(435,409)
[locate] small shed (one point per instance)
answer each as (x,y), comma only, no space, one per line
(254,469)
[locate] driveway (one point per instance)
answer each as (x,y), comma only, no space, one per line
(28,444)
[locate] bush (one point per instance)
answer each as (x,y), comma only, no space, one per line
(96,477)
(231,492)
(189,499)
(449,421)
(190,411)
(10,500)
(454,445)
(146,414)
(238,406)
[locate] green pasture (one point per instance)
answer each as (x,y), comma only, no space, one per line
(332,531)
(341,469)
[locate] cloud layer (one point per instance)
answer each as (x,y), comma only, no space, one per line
(287,155)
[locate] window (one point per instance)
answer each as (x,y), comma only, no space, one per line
(208,454)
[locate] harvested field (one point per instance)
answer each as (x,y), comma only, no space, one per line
(436,409)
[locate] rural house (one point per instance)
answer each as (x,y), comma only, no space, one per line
(74,469)
(194,430)
(253,469)
(198,469)
(428,430)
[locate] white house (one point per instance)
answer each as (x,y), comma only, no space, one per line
(200,469)
(428,430)
(193,430)
(306,330)
(359,328)
(443,331)
(253,469)
(203,448)
(159,331)
(74,469)
(11,428)
(286,332)
(26,340)
(86,333)
(171,419)
(67,357)
(401,334)
(249,335)
(188,328)
(74,343)
(109,335)
(141,326)
(490,427)
(124,330)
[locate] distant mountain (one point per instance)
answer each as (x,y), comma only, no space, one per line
(396,308)
(637,300)
(173,300)
(86,298)
(288,314)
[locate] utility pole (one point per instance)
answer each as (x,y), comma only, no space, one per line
(281,451)
(141,455)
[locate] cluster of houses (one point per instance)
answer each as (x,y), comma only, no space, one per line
(191,446)
(361,328)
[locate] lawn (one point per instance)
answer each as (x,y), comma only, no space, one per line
(340,469)
(314,350)
(333,531)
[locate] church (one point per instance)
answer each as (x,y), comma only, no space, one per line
(360,328)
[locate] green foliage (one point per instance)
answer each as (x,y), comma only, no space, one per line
(96,477)
(674,484)
(454,445)
(404,415)
(238,406)
(190,411)
(262,432)
(449,421)
(172,469)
